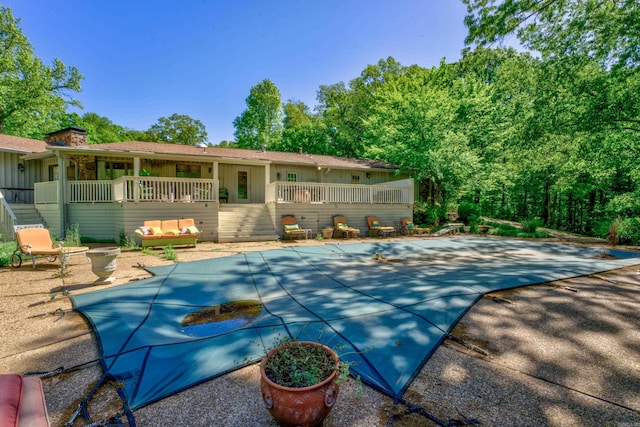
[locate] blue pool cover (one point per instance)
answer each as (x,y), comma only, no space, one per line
(388,315)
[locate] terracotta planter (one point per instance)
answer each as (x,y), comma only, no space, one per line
(306,406)
(327,232)
(103,263)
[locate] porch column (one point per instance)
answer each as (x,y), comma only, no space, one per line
(136,172)
(60,199)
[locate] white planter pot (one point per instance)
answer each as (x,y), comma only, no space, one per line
(103,263)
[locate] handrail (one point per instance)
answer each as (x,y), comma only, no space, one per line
(7,219)
(131,189)
(310,192)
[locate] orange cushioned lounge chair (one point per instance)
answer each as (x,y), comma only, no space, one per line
(291,228)
(341,229)
(375,229)
(410,229)
(37,241)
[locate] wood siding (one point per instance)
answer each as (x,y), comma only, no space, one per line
(16,185)
(316,217)
(109,221)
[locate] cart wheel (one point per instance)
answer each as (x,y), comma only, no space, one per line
(16,260)
(52,258)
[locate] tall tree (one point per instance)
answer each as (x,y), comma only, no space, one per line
(302,130)
(260,124)
(603,29)
(178,129)
(344,108)
(413,125)
(30,92)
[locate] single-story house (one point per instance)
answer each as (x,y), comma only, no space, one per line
(108,190)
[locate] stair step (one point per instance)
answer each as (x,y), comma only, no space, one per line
(245,223)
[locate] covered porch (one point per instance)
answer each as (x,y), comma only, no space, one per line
(112,208)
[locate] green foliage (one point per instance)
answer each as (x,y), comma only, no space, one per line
(606,30)
(427,214)
(468,212)
(294,365)
(169,253)
(127,241)
(260,124)
(31,92)
(178,129)
(531,225)
(629,231)
(72,235)
(86,239)
(507,230)
(6,249)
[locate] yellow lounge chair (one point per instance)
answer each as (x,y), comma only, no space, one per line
(341,229)
(291,228)
(37,241)
(375,229)
(409,228)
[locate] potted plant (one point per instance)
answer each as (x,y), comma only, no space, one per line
(300,382)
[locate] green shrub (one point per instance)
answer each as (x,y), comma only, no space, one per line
(127,242)
(424,213)
(507,230)
(629,231)
(6,249)
(467,211)
(531,225)
(169,253)
(72,235)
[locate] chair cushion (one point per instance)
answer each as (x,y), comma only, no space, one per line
(10,396)
(152,223)
(375,224)
(341,225)
(186,222)
(33,409)
(291,227)
(38,238)
(169,225)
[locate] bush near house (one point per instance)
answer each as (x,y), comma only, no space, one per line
(629,231)
(6,249)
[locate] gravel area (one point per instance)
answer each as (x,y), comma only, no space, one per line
(557,354)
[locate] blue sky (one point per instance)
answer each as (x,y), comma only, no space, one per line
(147,59)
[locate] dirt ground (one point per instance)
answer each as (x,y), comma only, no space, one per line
(557,354)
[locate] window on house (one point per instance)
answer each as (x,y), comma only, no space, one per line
(53,172)
(292,177)
(355,179)
(114,169)
(188,171)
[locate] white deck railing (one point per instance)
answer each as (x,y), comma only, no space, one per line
(45,192)
(156,189)
(143,189)
(301,192)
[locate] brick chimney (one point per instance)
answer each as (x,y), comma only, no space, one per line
(69,137)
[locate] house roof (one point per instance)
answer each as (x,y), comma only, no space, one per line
(18,144)
(163,149)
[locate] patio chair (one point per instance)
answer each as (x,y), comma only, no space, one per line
(342,229)
(35,241)
(291,228)
(410,229)
(375,229)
